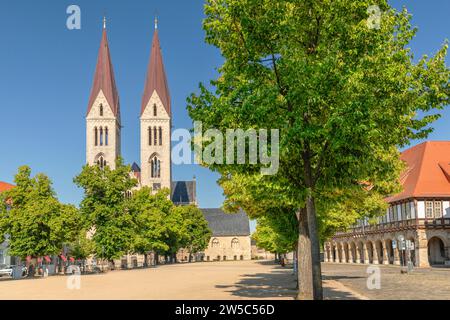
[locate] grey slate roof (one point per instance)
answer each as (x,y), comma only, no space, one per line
(135,167)
(227,224)
(183,192)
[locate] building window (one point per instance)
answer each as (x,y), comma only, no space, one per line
(429,209)
(391,214)
(235,243)
(155,136)
(149,136)
(160,136)
(95,136)
(156,186)
(101,136)
(224,258)
(106,136)
(101,162)
(438,209)
(101,110)
(155,168)
(155,113)
(215,243)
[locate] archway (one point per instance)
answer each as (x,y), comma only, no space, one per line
(369,251)
(436,251)
(360,249)
(389,250)
(346,253)
(379,249)
(412,252)
(353,250)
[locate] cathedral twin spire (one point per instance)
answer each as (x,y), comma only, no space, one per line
(104,79)
(103,117)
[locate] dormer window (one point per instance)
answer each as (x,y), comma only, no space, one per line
(101,110)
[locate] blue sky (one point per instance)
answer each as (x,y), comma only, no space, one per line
(46,75)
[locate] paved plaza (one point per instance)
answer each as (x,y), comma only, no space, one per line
(420,284)
(214,280)
(232,280)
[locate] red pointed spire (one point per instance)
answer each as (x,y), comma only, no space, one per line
(104,77)
(156,76)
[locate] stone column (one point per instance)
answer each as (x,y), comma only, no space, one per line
(350,254)
(358,254)
(375,254)
(365,254)
(325,253)
(421,244)
(342,254)
(396,256)
(385,253)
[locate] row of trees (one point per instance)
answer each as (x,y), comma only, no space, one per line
(111,220)
(345,96)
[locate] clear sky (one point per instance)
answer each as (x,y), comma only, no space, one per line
(46,75)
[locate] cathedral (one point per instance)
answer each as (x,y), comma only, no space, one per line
(230,233)
(103,124)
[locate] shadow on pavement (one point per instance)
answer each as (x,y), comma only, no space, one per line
(279,283)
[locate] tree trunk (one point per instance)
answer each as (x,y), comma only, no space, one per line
(305,269)
(145,260)
(315,248)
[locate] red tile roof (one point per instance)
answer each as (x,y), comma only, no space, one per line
(4,186)
(428,172)
(104,78)
(156,77)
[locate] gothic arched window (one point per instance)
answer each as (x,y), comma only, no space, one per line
(155,110)
(106,136)
(160,136)
(158,168)
(101,162)
(101,136)
(101,110)
(95,136)
(155,136)
(235,243)
(149,136)
(152,168)
(215,243)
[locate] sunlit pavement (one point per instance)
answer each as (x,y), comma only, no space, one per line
(213,280)
(420,284)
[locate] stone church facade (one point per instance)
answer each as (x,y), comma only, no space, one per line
(420,214)
(103,146)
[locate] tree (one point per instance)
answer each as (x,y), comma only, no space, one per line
(344,96)
(36,223)
(195,234)
(276,235)
(105,208)
(150,214)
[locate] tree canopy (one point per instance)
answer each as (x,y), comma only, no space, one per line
(344,95)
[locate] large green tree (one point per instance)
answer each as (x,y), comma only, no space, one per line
(150,213)
(105,208)
(345,94)
(195,235)
(36,223)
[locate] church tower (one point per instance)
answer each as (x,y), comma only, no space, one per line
(156,123)
(103,113)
